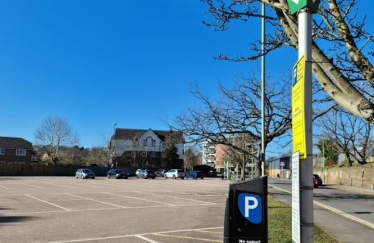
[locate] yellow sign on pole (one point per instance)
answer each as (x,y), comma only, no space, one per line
(298,110)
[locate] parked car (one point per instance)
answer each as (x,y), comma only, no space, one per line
(84,174)
(146,174)
(195,174)
(174,173)
(160,172)
(137,172)
(315,182)
(117,174)
(319,180)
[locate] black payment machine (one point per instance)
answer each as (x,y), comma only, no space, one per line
(246,217)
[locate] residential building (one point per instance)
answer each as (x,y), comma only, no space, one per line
(143,148)
(15,150)
(208,153)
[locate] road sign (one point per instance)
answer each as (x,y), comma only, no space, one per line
(295,198)
(296,5)
(282,163)
(298,108)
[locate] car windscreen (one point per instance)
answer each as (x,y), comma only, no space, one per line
(118,171)
(180,171)
(87,171)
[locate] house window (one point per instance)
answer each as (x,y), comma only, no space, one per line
(144,143)
(153,154)
(144,154)
(20,152)
(2,151)
(163,144)
(153,143)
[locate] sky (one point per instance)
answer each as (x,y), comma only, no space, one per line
(100,62)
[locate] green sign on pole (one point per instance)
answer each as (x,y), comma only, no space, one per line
(296,5)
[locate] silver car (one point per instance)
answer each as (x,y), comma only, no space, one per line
(84,174)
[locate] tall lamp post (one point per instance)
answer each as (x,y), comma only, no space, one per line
(112,148)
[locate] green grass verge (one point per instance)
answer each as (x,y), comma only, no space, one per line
(280,220)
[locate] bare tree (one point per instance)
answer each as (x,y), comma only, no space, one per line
(236,113)
(190,158)
(54,132)
(350,133)
(341,47)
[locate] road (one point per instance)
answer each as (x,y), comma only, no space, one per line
(347,215)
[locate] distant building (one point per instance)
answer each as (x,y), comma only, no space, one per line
(281,166)
(142,148)
(16,150)
(208,153)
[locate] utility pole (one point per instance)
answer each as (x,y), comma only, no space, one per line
(263,92)
(304,135)
(306,165)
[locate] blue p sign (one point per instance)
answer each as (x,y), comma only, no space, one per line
(250,205)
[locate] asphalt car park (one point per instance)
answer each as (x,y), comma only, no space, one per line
(63,209)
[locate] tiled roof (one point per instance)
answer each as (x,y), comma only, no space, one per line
(122,133)
(14,143)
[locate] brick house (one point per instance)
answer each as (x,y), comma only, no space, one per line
(142,148)
(15,150)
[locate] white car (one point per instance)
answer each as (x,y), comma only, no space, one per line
(174,173)
(137,172)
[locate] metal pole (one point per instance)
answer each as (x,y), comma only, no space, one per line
(306,165)
(263,92)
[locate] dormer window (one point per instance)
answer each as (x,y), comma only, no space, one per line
(153,143)
(144,142)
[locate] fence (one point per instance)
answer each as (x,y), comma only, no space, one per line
(349,176)
(37,169)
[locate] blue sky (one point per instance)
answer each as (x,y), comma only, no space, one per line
(100,62)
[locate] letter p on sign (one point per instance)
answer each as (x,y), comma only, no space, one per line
(250,206)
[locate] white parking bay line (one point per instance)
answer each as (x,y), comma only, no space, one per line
(4,187)
(94,200)
(138,198)
(136,235)
(187,199)
(31,185)
(60,185)
(146,239)
(40,200)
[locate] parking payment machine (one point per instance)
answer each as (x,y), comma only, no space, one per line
(246,218)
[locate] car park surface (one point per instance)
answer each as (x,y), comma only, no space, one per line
(62,209)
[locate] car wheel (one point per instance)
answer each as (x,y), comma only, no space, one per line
(153,177)
(108,177)
(137,177)
(82,177)
(93,178)
(182,178)
(202,178)
(195,178)
(126,177)
(76,177)
(165,177)
(174,177)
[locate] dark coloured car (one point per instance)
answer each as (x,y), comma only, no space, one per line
(160,172)
(117,174)
(146,174)
(195,175)
(84,174)
(319,180)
